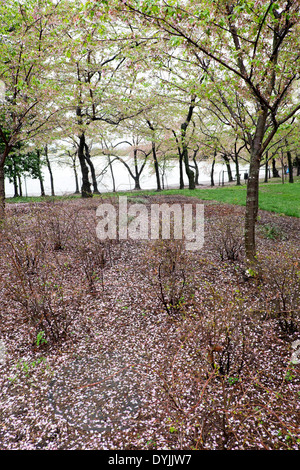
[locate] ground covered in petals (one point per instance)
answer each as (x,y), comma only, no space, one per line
(142,344)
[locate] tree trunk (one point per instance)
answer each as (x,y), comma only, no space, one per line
(283,167)
(196,168)
(40,174)
(237,170)
(16,193)
(20,186)
(181,180)
(227,163)
(212,183)
(253,190)
(163,178)
(137,183)
(266,168)
(156,168)
(290,167)
(2,191)
(137,173)
(275,172)
(188,170)
(185,155)
(85,186)
(92,168)
(42,186)
(76,177)
(251,209)
(15,180)
(297,163)
(50,171)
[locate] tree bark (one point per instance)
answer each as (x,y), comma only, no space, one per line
(290,167)
(275,172)
(41,185)
(212,182)
(185,155)
(253,190)
(227,163)
(156,168)
(196,167)
(283,167)
(76,177)
(15,180)
(237,169)
(297,163)
(40,174)
(85,186)
(20,186)
(2,192)
(266,168)
(158,185)
(181,180)
(50,171)
(188,170)
(137,173)
(251,210)
(92,168)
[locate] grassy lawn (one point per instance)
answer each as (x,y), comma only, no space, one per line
(274,196)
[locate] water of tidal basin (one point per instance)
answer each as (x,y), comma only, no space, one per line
(64,182)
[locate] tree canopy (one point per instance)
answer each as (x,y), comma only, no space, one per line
(216,74)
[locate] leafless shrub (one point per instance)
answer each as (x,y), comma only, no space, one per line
(35,281)
(27,256)
(228,238)
(220,385)
(280,287)
(223,331)
(204,379)
(94,258)
(59,224)
(169,275)
(46,305)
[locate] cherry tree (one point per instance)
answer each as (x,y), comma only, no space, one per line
(27,105)
(248,46)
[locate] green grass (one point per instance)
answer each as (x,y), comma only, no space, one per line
(40,198)
(273,196)
(281,198)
